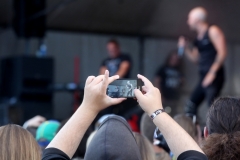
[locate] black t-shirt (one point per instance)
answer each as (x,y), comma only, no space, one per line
(170,81)
(207,52)
(113,64)
(192,155)
(56,154)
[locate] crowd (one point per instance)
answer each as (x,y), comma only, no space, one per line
(160,136)
(114,139)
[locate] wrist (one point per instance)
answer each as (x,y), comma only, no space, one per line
(87,110)
(156,113)
(154,109)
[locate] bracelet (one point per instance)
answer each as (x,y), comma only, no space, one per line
(157,112)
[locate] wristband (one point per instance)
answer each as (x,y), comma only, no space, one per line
(157,112)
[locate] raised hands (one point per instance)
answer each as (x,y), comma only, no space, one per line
(151,100)
(95,97)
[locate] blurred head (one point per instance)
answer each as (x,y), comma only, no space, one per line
(113,48)
(113,142)
(173,59)
(222,132)
(18,144)
(196,16)
(147,127)
(46,132)
(188,125)
(145,147)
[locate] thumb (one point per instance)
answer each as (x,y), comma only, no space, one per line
(138,94)
(115,101)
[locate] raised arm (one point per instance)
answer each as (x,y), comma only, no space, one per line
(177,138)
(95,99)
(192,53)
(123,69)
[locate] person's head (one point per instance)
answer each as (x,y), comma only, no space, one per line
(113,142)
(145,147)
(17,143)
(173,59)
(196,17)
(46,132)
(222,131)
(188,125)
(113,48)
(147,127)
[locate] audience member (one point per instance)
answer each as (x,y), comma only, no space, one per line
(65,143)
(46,132)
(18,144)
(32,124)
(190,125)
(113,140)
(147,129)
(145,147)
(81,150)
(222,131)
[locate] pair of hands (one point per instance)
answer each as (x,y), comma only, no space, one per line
(95,98)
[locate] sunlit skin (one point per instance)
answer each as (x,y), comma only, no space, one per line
(196,17)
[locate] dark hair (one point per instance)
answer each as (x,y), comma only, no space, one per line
(170,54)
(114,41)
(223,124)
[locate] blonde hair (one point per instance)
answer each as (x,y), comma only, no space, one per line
(17,143)
(145,147)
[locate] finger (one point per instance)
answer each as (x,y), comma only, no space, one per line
(138,94)
(89,80)
(97,79)
(144,89)
(105,80)
(146,82)
(115,101)
(113,78)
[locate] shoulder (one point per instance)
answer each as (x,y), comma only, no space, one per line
(215,31)
(125,57)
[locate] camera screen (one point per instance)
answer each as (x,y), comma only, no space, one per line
(122,89)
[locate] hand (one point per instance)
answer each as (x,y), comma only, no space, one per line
(151,100)
(35,121)
(95,97)
(208,79)
(182,42)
